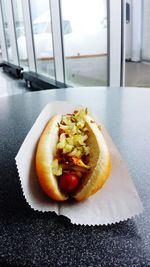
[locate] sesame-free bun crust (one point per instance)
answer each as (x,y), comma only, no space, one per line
(44,157)
(99,160)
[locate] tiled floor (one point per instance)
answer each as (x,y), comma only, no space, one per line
(10,85)
(137,75)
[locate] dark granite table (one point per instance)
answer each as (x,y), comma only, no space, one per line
(29,238)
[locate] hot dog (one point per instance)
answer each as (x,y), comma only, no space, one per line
(72,158)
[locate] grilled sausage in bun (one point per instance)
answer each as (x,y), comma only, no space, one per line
(72,158)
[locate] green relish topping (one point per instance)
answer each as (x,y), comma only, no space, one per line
(56,168)
(72,148)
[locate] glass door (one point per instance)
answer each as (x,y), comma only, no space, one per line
(7,31)
(84,27)
(20,33)
(137,43)
(42,37)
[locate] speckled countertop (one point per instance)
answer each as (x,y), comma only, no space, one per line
(29,238)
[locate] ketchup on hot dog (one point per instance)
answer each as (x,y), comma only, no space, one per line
(68,182)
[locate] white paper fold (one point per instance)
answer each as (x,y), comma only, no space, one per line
(118,199)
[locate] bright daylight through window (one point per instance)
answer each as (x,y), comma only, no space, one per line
(85,46)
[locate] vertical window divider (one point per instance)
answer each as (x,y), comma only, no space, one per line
(2,36)
(57,40)
(11,25)
(108,43)
(114,43)
(29,35)
(15,32)
(123,42)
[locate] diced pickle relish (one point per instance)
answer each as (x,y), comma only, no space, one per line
(56,167)
(71,146)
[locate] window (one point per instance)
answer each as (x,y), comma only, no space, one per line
(7,31)
(42,37)
(20,33)
(84,26)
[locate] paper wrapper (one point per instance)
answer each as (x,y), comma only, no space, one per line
(118,199)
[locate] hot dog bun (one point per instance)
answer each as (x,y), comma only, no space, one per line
(44,157)
(99,159)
